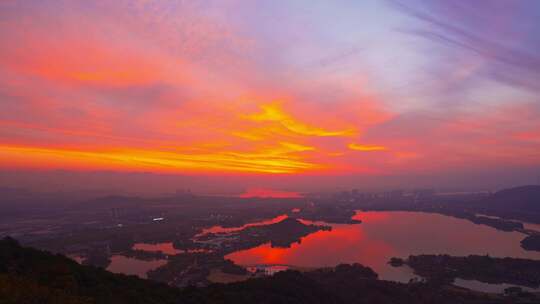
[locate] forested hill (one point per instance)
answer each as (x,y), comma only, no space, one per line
(521,203)
(524,197)
(32,276)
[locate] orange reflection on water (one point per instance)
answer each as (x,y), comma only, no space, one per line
(344,244)
(221,229)
(166,248)
(383,235)
(372,217)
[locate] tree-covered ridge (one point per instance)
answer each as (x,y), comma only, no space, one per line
(32,276)
(475,267)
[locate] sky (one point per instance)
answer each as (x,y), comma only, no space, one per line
(296,94)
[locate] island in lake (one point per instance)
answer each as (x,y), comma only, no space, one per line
(444,269)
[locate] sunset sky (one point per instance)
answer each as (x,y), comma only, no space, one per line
(260,91)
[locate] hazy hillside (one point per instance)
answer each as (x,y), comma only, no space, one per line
(524,197)
(522,203)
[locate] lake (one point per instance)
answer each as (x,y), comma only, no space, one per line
(487,287)
(383,235)
(132,266)
(166,248)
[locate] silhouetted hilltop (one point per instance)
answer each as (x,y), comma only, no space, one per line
(531,242)
(524,198)
(290,226)
(522,203)
(32,276)
(284,233)
(28,275)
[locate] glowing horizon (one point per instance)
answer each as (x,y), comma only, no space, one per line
(232,87)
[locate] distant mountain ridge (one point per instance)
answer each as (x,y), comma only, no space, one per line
(524,197)
(520,203)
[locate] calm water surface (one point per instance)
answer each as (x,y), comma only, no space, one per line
(531,226)
(486,287)
(166,248)
(132,266)
(221,229)
(383,235)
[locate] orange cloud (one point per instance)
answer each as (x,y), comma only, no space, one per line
(274,113)
(268,161)
(128,88)
(366,148)
(181,91)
